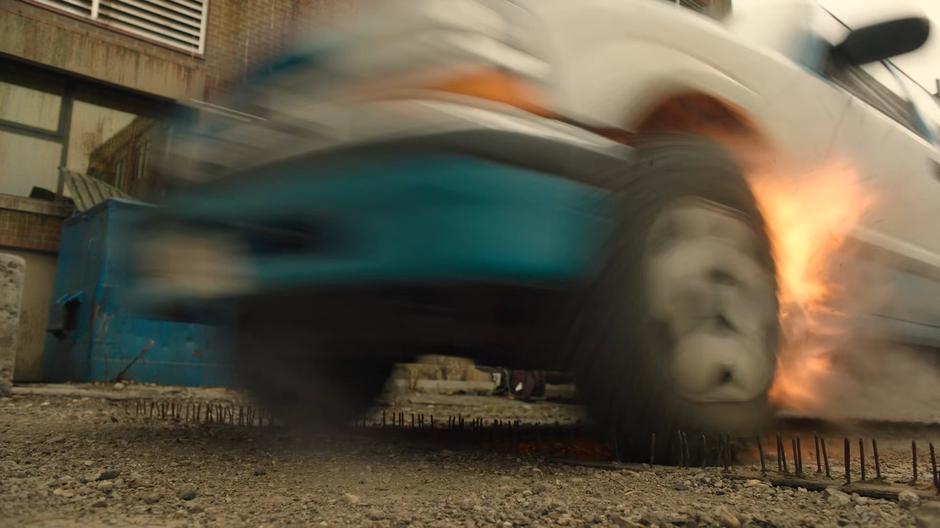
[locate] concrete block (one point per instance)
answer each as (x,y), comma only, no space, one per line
(446,386)
(454,368)
(443,386)
(12,278)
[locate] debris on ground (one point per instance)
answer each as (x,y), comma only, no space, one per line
(165,473)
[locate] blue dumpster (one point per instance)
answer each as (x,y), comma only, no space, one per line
(95,336)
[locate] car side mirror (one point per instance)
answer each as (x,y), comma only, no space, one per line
(884,40)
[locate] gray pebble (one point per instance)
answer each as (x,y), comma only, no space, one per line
(108,474)
(908,499)
(187,494)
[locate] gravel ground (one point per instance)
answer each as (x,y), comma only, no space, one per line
(77,461)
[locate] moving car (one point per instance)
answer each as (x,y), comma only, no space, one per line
(544,184)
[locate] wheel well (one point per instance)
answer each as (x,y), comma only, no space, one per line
(705,115)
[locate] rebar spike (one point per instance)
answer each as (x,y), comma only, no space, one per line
(861,459)
(796,456)
(848,460)
(825,449)
(779,458)
(874,453)
(730,454)
(681,450)
(652,449)
(799,454)
(704,450)
(818,461)
(782,453)
(914,460)
(933,467)
(616,446)
(760,451)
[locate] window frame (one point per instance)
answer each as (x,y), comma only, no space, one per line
(73,89)
(866,88)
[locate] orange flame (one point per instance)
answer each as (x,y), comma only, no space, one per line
(809,214)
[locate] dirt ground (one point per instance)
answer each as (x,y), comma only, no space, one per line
(79,460)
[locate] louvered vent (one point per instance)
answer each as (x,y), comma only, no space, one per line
(76,7)
(177,23)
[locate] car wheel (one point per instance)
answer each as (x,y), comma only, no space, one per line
(680,329)
(299,376)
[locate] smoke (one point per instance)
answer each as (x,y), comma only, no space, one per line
(874,374)
(882,380)
(840,356)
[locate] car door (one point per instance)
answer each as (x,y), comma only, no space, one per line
(897,244)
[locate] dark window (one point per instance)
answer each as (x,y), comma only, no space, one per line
(863,85)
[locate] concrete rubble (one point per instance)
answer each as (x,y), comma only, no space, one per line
(12,277)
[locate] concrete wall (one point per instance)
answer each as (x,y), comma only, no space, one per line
(34,313)
(59,41)
(241,36)
(11,289)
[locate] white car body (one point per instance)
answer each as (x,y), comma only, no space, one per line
(614,60)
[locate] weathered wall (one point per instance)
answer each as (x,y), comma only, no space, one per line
(11,288)
(242,35)
(34,313)
(59,41)
(30,230)
(31,224)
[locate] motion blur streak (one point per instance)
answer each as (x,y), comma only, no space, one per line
(809,219)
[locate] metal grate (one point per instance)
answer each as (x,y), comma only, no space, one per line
(177,23)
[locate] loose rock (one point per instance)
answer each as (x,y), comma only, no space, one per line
(187,494)
(837,497)
(108,474)
(351,499)
(725,518)
(908,499)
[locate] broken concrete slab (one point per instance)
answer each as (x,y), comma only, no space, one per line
(12,278)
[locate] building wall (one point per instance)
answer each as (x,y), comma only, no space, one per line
(59,41)
(30,224)
(243,35)
(34,313)
(92,99)
(30,229)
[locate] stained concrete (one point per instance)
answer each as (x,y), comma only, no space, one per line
(34,313)
(39,35)
(12,279)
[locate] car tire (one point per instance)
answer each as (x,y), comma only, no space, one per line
(687,287)
(301,377)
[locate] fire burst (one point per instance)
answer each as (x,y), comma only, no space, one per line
(809,217)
